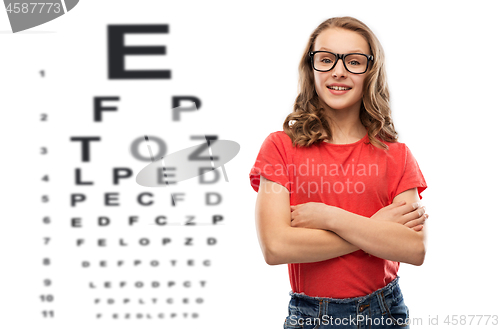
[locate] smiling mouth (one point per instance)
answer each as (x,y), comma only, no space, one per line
(338,88)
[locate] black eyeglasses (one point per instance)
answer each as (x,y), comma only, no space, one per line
(324,61)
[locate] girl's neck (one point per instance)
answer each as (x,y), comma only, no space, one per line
(346,127)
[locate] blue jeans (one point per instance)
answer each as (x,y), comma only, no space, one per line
(384,308)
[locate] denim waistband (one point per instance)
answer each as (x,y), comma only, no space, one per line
(392,287)
(384,308)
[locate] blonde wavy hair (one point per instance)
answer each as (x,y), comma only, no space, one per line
(310,125)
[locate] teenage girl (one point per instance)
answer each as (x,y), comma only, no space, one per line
(338,196)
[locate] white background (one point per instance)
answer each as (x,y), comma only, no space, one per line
(240,59)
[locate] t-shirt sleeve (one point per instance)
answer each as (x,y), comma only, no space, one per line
(271,162)
(412,176)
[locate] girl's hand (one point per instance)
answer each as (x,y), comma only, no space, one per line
(411,215)
(310,215)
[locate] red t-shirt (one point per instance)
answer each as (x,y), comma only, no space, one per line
(356,177)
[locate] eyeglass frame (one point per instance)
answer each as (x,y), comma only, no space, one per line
(342,57)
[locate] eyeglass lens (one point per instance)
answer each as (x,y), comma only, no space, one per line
(354,63)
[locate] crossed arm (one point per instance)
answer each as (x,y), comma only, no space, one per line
(314,232)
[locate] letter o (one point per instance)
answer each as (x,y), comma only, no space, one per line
(341,185)
(356,189)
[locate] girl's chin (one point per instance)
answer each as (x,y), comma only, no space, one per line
(342,104)
(339,107)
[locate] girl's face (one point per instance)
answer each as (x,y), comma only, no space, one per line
(340,41)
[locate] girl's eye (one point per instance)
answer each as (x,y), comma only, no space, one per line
(354,63)
(326,61)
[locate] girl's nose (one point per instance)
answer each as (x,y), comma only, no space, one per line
(339,69)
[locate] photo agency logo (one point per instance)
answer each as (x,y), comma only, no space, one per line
(187,163)
(25,15)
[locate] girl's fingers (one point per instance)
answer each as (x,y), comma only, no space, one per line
(414,213)
(416,222)
(403,208)
(410,207)
(418,228)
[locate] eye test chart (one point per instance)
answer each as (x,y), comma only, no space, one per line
(123,215)
(129,130)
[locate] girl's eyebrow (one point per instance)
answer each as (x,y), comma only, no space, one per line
(352,51)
